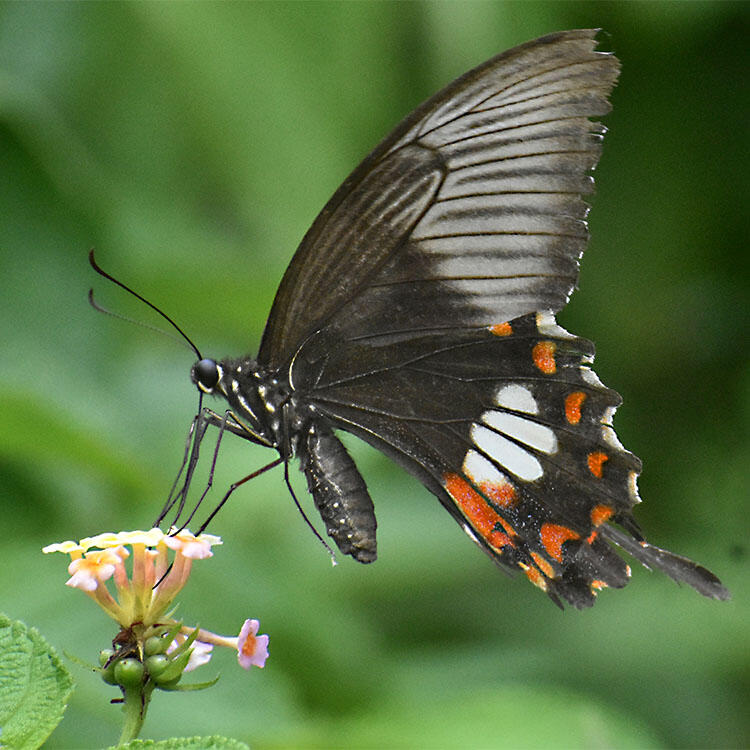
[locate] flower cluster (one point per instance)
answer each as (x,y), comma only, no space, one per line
(160,565)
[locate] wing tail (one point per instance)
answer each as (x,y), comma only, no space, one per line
(678,568)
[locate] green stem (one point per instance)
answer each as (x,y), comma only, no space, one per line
(135,704)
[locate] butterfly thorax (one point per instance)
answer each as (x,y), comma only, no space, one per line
(266,405)
(263,401)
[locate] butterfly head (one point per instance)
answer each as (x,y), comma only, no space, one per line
(254,397)
(206,374)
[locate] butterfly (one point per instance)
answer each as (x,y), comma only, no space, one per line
(418,315)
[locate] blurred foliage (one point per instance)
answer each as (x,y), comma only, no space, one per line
(193,144)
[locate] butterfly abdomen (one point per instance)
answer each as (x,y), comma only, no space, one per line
(339,492)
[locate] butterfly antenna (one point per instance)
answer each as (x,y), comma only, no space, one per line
(101,309)
(135,294)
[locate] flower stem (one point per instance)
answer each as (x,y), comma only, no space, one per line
(135,704)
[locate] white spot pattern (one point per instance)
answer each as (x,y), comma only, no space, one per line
(547,326)
(517,398)
(590,377)
(511,456)
(480,470)
(610,438)
(534,435)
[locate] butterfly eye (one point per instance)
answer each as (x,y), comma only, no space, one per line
(206,374)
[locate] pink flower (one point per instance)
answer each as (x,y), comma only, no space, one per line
(252,649)
(144,596)
(139,595)
(86,572)
(200,653)
(195,548)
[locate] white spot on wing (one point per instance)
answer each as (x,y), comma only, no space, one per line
(633,487)
(611,439)
(474,264)
(472,535)
(517,398)
(492,245)
(608,415)
(480,470)
(547,326)
(590,377)
(524,430)
(511,456)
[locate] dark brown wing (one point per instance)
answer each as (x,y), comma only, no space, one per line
(476,194)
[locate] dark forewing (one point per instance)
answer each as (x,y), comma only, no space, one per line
(468,213)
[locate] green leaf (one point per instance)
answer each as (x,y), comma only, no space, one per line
(214,742)
(191,686)
(34,686)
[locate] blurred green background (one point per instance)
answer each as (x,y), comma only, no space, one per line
(192,145)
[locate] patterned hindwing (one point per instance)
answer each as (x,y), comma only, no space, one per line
(509,427)
(545,469)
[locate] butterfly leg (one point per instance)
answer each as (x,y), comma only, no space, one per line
(233,487)
(190,459)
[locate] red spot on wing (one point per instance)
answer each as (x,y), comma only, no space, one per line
(503,495)
(480,515)
(543,355)
(502,329)
(553,538)
(573,404)
(596,462)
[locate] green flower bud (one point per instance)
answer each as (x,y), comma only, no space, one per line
(155,645)
(129,672)
(108,674)
(155,665)
(105,655)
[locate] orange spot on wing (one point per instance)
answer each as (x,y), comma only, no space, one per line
(596,462)
(600,514)
(503,495)
(543,565)
(479,514)
(573,404)
(597,585)
(553,538)
(543,355)
(534,576)
(502,329)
